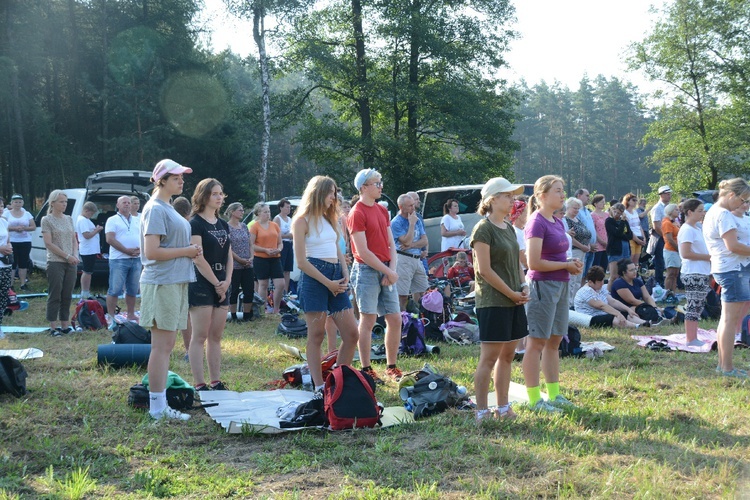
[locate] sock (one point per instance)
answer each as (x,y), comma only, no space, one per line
(319,387)
(535,394)
(247,316)
(157,402)
(234,315)
(553,390)
(367,368)
(85,294)
(391,366)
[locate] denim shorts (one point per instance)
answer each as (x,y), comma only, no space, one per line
(124,273)
(625,253)
(735,285)
(372,298)
(672,259)
(314,296)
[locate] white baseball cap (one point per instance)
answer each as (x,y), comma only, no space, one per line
(499,185)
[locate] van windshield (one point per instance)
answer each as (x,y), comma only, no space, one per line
(468,200)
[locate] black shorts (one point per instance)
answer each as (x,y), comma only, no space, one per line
(502,324)
(287,256)
(21,252)
(202,293)
(88,263)
(266,268)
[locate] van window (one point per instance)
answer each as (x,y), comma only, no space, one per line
(468,200)
(45,207)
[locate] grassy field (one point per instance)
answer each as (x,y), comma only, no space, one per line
(648,425)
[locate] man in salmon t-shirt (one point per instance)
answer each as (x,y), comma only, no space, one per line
(373,273)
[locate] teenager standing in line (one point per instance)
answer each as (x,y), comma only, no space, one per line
(500,294)
(208,295)
(324,283)
(549,273)
(374,275)
(167,269)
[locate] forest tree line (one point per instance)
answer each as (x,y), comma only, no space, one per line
(405,86)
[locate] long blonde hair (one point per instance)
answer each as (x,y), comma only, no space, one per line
(313,203)
(541,186)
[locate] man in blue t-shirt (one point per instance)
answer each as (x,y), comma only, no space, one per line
(418,209)
(410,237)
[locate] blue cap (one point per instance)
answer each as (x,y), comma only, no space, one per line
(363,176)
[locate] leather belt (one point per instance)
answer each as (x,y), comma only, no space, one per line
(408,254)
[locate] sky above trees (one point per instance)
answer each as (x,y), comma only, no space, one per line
(559,40)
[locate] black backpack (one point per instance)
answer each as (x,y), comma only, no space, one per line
(130,333)
(12,376)
(292,326)
(712,309)
(432,393)
(349,397)
(571,343)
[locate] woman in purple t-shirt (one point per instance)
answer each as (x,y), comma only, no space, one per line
(549,272)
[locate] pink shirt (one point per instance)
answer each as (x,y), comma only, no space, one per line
(601,231)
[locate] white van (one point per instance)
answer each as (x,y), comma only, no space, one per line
(103,189)
(468,197)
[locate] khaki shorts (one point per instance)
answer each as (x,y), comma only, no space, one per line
(164,306)
(411,276)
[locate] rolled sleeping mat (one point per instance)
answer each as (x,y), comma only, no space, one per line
(579,319)
(119,355)
(433,349)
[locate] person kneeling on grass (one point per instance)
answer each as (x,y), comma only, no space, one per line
(594,299)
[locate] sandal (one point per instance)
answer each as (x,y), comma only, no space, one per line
(657,346)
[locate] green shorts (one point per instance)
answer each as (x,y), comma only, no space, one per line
(164,306)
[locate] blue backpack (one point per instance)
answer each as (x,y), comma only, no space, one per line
(413,341)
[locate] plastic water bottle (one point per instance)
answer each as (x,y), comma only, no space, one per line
(307,383)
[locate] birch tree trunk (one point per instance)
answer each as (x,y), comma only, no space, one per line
(259,36)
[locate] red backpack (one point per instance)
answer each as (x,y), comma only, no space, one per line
(349,397)
(90,315)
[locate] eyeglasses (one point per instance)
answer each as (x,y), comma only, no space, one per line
(376,184)
(744,201)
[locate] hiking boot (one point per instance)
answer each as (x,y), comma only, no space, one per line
(219,386)
(562,402)
(55,332)
(170,413)
(394,374)
(318,394)
(736,373)
(375,378)
(543,406)
(67,330)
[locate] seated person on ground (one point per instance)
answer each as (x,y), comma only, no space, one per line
(630,290)
(594,299)
(462,272)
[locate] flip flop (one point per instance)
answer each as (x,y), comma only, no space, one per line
(658,346)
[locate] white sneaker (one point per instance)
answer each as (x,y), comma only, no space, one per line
(170,413)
